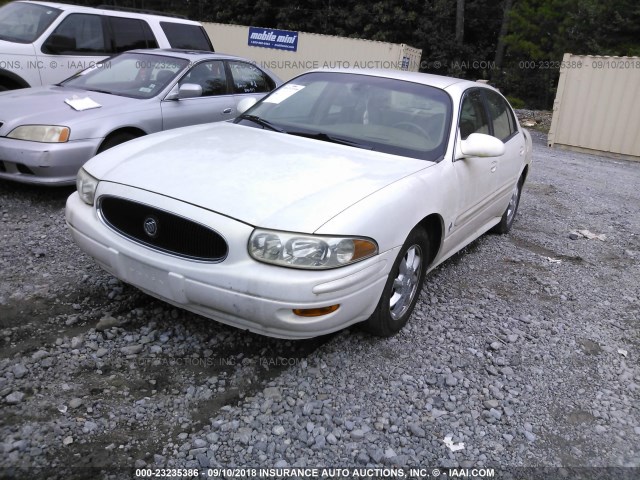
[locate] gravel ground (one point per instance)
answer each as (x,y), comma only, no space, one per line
(523,347)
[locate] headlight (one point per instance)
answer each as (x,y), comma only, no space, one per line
(86,185)
(308,251)
(41,133)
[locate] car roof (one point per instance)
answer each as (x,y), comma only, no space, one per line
(438,81)
(192,55)
(111,11)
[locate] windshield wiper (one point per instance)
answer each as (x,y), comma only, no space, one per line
(262,122)
(325,137)
(101,91)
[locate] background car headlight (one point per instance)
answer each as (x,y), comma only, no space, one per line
(86,186)
(41,133)
(308,251)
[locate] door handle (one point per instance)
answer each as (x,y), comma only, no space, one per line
(494,167)
(226,110)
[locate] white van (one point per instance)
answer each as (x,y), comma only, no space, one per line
(43,43)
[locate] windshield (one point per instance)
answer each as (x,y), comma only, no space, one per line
(24,22)
(136,75)
(375,113)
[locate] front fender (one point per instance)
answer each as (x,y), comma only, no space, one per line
(389,214)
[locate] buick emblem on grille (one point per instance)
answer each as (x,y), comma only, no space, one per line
(151,226)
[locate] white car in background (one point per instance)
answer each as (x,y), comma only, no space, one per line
(322,206)
(44,42)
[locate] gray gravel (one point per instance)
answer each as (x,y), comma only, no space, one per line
(524,348)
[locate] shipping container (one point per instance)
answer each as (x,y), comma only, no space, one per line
(290,53)
(597,106)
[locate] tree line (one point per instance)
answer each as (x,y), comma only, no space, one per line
(517,45)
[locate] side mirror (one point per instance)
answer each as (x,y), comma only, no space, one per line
(245,104)
(186,90)
(481,145)
(189,90)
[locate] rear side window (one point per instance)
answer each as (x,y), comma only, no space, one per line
(77,34)
(248,78)
(131,33)
(501,116)
(188,37)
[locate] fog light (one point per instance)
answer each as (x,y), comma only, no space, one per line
(315,312)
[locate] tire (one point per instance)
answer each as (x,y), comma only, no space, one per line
(116,139)
(403,286)
(509,215)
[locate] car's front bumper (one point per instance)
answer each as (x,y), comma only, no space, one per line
(238,291)
(44,163)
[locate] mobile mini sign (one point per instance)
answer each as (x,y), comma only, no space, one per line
(269,38)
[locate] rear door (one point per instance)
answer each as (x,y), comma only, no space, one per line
(504,127)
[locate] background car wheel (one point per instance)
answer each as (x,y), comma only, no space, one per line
(403,286)
(116,139)
(509,215)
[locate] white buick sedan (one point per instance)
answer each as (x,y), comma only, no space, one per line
(323,205)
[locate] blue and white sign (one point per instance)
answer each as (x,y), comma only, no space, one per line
(269,38)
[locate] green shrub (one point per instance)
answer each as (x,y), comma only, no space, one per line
(516,102)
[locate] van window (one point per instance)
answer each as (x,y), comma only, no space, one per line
(131,33)
(188,37)
(77,34)
(24,22)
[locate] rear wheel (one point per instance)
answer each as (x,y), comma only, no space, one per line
(509,215)
(116,139)
(403,286)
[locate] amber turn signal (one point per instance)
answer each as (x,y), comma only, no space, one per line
(315,312)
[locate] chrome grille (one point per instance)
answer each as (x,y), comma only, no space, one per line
(161,230)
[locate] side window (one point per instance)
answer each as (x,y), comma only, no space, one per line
(77,34)
(131,33)
(473,118)
(210,76)
(248,78)
(501,116)
(189,37)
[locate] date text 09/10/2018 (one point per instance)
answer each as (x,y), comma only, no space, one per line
(319,473)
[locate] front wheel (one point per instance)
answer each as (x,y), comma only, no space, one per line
(403,286)
(115,140)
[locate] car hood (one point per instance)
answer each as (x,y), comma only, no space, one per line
(46,106)
(263,178)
